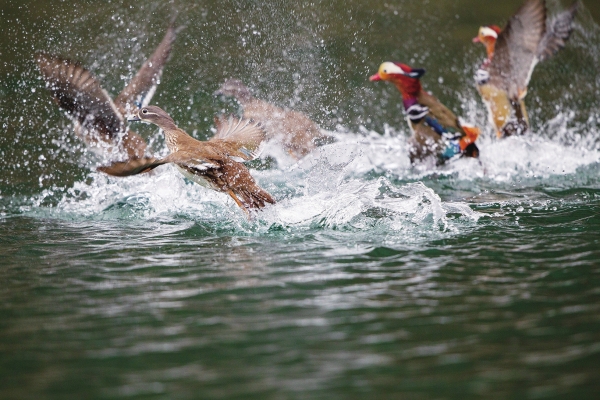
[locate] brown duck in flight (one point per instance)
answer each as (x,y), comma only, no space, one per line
(99,120)
(297,133)
(216,164)
(512,54)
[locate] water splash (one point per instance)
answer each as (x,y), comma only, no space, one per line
(321,193)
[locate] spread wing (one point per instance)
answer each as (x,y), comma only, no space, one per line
(241,138)
(132,166)
(558,32)
(136,166)
(516,49)
(78,93)
(140,90)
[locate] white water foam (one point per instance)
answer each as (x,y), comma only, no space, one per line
(552,151)
(327,195)
(362,181)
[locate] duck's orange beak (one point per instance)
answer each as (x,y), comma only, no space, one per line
(375,77)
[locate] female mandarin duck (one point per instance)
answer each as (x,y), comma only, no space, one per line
(215,164)
(438,134)
(99,120)
(298,134)
(512,54)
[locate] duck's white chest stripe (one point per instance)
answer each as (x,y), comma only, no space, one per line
(196,178)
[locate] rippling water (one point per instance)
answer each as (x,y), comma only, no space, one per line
(368,279)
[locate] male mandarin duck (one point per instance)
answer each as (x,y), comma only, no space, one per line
(100,121)
(298,134)
(215,164)
(438,134)
(512,54)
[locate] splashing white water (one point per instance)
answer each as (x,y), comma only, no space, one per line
(327,194)
(361,182)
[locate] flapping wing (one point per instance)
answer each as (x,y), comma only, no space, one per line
(132,167)
(140,90)
(558,32)
(78,93)
(516,49)
(135,166)
(241,137)
(191,161)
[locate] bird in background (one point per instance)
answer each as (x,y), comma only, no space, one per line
(297,133)
(215,164)
(512,54)
(99,120)
(438,135)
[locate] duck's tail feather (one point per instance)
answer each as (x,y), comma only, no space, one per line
(520,124)
(252,198)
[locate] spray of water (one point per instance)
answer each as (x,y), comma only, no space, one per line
(289,53)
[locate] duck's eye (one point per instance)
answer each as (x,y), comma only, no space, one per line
(144,111)
(385,71)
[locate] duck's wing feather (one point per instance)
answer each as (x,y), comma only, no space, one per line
(240,138)
(132,166)
(438,110)
(78,93)
(186,159)
(192,161)
(516,49)
(140,90)
(558,32)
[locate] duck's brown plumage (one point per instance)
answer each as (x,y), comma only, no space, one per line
(99,120)
(214,163)
(515,53)
(297,133)
(527,39)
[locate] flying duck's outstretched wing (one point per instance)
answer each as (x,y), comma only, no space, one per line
(78,93)
(140,90)
(241,138)
(135,166)
(558,32)
(516,49)
(132,167)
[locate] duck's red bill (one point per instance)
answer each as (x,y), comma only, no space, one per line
(375,77)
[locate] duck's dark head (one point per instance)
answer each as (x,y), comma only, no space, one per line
(154,115)
(404,77)
(234,88)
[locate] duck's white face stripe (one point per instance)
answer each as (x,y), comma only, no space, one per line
(488,32)
(391,68)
